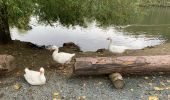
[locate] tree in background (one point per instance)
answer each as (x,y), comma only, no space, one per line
(17,13)
(82,12)
(4,26)
(14,13)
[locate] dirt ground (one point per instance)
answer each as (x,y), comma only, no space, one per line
(61,84)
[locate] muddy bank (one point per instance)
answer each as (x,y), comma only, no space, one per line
(33,56)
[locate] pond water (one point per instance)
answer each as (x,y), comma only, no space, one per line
(152,29)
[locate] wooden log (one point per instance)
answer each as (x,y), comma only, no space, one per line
(7,64)
(117,80)
(123,65)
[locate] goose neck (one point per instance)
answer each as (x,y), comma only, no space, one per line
(56,50)
(110,42)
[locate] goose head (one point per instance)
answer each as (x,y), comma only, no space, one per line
(110,39)
(54,47)
(41,70)
(42,77)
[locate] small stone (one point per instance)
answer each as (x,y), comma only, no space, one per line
(146,78)
(131,90)
(168,81)
(150,84)
(99,83)
(168,88)
(142,97)
(162,83)
(168,97)
(139,85)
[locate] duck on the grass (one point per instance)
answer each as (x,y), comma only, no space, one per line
(35,77)
(115,48)
(61,57)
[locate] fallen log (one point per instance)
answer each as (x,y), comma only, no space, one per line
(122,65)
(7,64)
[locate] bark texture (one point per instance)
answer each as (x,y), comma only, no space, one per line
(4,25)
(122,65)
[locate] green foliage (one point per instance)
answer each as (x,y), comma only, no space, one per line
(71,12)
(155,2)
(19,12)
(80,12)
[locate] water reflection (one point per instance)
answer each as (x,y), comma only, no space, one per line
(89,39)
(155,22)
(89,22)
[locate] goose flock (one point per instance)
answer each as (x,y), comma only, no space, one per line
(38,77)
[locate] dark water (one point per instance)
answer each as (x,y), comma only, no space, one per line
(152,28)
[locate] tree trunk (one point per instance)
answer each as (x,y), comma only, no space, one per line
(4,25)
(122,65)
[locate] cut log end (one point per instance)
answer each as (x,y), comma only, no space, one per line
(117,80)
(7,64)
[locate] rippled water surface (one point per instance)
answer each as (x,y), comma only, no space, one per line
(152,29)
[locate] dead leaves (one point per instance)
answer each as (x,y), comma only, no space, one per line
(131,90)
(153,98)
(55,93)
(164,86)
(150,84)
(158,88)
(82,98)
(161,89)
(146,78)
(56,96)
(17,86)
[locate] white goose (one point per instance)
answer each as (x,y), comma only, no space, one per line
(115,48)
(35,77)
(61,57)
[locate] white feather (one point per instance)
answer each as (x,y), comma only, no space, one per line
(34,77)
(115,48)
(61,57)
